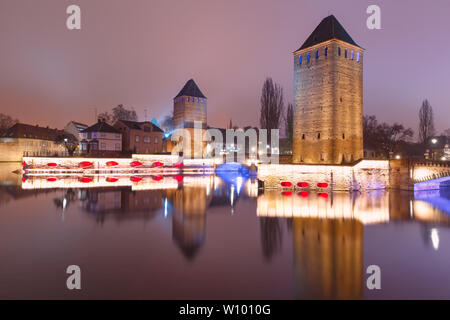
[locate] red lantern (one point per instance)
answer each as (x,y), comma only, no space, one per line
(286,184)
(322,185)
(52,164)
(304,194)
(158,164)
(86,180)
(158,178)
(108,179)
(287,193)
(323,195)
(135,164)
(303,184)
(112,164)
(178,165)
(179,178)
(24,164)
(85,164)
(52,179)
(136,179)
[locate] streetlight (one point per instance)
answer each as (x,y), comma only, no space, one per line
(434,141)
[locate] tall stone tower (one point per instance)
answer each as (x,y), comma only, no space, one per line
(328,97)
(189,108)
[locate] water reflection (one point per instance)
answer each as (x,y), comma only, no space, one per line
(325,240)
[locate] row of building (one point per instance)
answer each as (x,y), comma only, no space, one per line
(100,139)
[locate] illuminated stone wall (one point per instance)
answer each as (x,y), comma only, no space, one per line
(366,175)
(328,99)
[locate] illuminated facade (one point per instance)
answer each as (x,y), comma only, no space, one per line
(328,97)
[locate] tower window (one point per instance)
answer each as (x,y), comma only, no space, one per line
(318,136)
(303,136)
(345,53)
(352,55)
(343,136)
(339,51)
(357,57)
(300,60)
(309,57)
(317,54)
(326,52)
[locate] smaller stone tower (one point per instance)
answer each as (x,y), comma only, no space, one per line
(189,110)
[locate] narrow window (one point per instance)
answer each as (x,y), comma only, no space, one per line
(303,136)
(357,57)
(318,136)
(300,60)
(339,51)
(343,136)
(345,53)
(326,52)
(352,55)
(309,57)
(317,54)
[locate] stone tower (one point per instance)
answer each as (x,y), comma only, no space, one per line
(328,97)
(189,108)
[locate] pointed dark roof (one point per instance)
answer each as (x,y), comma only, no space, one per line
(21,130)
(329,28)
(101,126)
(191,89)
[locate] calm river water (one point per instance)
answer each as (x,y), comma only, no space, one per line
(217,237)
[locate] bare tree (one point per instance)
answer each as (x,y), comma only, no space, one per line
(426,122)
(446,133)
(118,113)
(272,106)
(289,126)
(6,122)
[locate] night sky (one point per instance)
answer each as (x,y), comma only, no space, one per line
(141,52)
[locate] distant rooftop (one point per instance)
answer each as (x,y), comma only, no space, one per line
(21,130)
(328,29)
(101,126)
(191,89)
(137,125)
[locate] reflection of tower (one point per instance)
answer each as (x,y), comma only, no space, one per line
(328,85)
(189,109)
(189,218)
(328,258)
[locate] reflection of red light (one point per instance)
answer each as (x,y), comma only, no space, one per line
(112,163)
(136,164)
(24,179)
(52,164)
(287,193)
(136,179)
(286,184)
(304,194)
(86,164)
(158,178)
(108,179)
(322,185)
(51,179)
(158,164)
(323,195)
(86,180)
(178,165)
(179,178)
(303,184)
